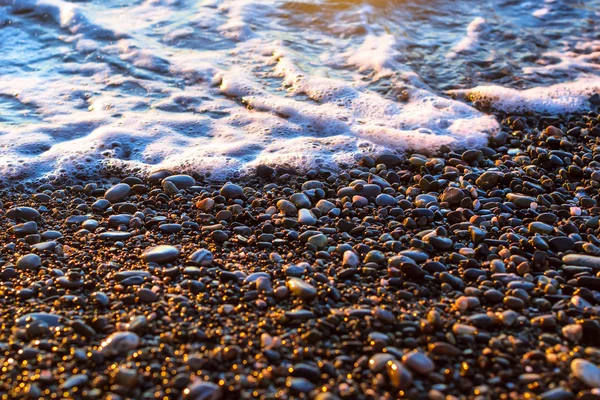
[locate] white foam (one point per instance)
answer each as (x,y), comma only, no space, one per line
(566,97)
(472,39)
(221,86)
(583,58)
(541,12)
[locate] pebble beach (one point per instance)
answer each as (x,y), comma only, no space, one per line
(464,274)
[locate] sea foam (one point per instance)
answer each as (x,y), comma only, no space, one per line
(222,86)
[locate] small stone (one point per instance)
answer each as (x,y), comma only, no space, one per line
(202,390)
(119,343)
(301,289)
(117,192)
(418,362)
(300,200)
(114,235)
(520,200)
(181,181)
(400,377)
(540,227)
(23,214)
(77,381)
(582,260)
(23,229)
(378,362)
(29,262)
(231,191)
(586,372)
(325,206)
(489,179)
(161,254)
(452,196)
(319,240)
(287,207)
(385,200)
(52,320)
(306,217)
(201,257)
(573,332)
(350,259)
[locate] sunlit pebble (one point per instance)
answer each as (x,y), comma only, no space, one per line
(575,211)
(534,206)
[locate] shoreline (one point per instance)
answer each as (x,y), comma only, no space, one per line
(463,274)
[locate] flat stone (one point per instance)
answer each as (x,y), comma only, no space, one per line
(71,382)
(114,235)
(452,196)
(119,343)
(201,390)
(385,200)
(181,181)
(540,227)
(45,246)
(423,199)
(301,289)
(29,262)
(52,320)
(231,191)
(520,200)
(161,254)
(201,257)
(399,376)
(306,217)
(319,240)
(582,260)
(418,362)
(23,213)
(117,192)
(586,372)
(378,361)
(122,275)
(489,179)
(170,228)
(26,228)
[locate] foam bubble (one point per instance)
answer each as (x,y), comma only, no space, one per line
(566,97)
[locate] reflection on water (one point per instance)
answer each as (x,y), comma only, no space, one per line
(225,85)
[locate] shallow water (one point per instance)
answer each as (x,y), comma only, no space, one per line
(222,86)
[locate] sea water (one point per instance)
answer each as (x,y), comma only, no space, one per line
(221,86)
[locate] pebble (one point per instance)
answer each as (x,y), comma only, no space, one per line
(29,262)
(23,214)
(418,362)
(119,343)
(201,257)
(586,372)
(181,181)
(117,193)
(301,289)
(231,191)
(540,227)
(378,362)
(306,217)
(161,254)
(582,260)
(399,376)
(200,390)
